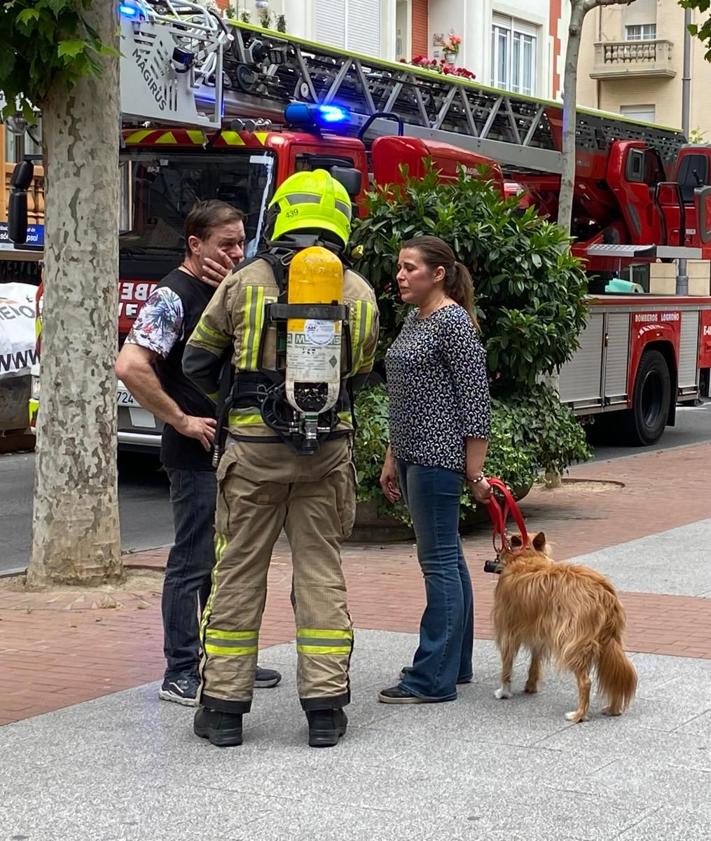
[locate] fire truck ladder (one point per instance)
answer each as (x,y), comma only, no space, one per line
(264,71)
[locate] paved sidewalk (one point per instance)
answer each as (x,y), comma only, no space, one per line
(61,648)
(126,766)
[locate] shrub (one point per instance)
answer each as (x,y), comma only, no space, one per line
(531,307)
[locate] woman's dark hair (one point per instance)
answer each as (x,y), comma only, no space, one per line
(458,283)
(205,216)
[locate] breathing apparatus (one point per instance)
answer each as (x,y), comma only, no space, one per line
(312,329)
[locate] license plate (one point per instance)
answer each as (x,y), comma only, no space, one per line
(125,398)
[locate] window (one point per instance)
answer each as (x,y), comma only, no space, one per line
(513,55)
(352,25)
(160,187)
(641,32)
(643,113)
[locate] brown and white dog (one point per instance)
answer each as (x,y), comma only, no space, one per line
(570,614)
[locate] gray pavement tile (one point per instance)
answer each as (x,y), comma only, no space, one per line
(674,562)
(670,824)
(128,768)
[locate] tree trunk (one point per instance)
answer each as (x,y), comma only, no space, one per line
(570,91)
(75,528)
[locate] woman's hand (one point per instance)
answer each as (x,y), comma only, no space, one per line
(481,491)
(388,480)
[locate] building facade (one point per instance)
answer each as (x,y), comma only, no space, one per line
(631,63)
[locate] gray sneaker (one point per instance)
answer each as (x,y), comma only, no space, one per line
(181,690)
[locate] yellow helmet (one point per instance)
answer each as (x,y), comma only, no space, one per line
(312,200)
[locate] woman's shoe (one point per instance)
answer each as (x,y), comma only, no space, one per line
(396,695)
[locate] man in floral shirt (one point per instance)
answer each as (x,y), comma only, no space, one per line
(150,365)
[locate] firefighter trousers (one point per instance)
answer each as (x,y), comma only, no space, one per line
(262,488)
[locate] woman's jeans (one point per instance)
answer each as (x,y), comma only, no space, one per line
(193,496)
(444,655)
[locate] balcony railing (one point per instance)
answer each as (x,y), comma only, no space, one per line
(620,59)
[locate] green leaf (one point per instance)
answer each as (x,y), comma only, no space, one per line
(27,16)
(70,49)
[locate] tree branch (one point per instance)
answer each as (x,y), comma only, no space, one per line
(593,4)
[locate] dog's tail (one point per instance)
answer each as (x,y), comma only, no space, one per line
(616,676)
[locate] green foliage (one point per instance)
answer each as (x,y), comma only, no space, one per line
(371,442)
(531,308)
(44,43)
(701,31)
(530,433)
(530,289)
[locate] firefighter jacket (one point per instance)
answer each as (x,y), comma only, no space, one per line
(232,324)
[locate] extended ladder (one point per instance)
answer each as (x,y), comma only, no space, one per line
(244,71)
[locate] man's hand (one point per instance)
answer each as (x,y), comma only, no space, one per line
(388,480)
(215,271)
(202,429)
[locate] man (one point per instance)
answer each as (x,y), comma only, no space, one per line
(270,477)
(150,365)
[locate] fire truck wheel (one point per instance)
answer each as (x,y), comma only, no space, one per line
(651,400)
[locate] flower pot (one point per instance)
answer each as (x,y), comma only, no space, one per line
(372,527)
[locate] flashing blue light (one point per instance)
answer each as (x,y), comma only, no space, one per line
(310,115)
(333,113)
(128,11)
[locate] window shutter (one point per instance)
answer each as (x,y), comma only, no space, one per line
(364,26)
(330,22)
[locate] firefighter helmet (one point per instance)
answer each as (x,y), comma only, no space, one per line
(309,200)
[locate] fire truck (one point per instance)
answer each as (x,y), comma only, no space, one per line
(218,109)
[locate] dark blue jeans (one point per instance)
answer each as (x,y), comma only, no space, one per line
(193,496)
(444,654)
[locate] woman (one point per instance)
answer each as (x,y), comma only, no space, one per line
(439,423)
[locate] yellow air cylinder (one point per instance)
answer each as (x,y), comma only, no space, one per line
(313,345)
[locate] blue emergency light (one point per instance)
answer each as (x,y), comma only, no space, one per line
(129,11)
(307,115)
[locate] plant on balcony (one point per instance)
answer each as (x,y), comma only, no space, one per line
(440,65)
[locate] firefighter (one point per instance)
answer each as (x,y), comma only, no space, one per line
(287,462)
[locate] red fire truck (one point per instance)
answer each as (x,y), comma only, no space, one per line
(250,107)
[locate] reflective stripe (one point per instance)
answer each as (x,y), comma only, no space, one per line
(138,136)
(214,634)
(219,651)
(198,137)
(244,417)
(167,138)
(323,649)
(326,633)
(366,326)
(261,136)
(302,198)
(253,316)
(258,322)
(211,337)
(344,208)
(356,331)
(324,641)
(232,138)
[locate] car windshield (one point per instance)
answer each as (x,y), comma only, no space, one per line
(159,189)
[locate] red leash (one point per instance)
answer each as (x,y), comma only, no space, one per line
(500,515)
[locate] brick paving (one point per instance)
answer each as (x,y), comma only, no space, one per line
(66,646)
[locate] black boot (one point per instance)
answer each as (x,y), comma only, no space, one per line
(222,729)
(326,727)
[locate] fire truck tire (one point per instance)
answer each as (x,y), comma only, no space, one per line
(651,400)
